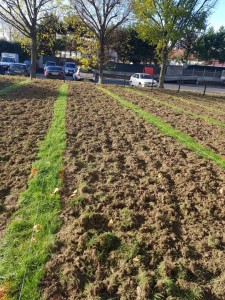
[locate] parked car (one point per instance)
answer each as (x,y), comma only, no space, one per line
(18,69)
(49,63)
(142,80)
(54,72)
(2,70)
(82,74)
(27,63)
(70,68)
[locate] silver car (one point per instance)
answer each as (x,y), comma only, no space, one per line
(70,68)
(142,80)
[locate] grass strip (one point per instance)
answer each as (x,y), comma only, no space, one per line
(168,130)
(13,87)
(30,236)
(179,108)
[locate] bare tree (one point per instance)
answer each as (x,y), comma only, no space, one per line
(24,15)
(102,17)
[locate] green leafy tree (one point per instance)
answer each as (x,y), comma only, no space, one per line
(80,39)
(130,47)
(210,46)
(165,22)
(47,34)
(205,46)
(25,15)
(187,44)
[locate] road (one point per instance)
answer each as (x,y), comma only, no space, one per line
(172,86)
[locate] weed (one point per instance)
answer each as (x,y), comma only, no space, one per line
(126,220)
(79,201)
(104,244)
(130,250)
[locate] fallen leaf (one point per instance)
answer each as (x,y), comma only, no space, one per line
(56,190)
(73,194)
(136,259)
(62,174)
(37,227)
(33,172)
(110,224)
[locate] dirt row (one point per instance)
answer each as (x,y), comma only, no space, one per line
(9,80)
(25,116)
(204,132)
(206,109)
(143,217)
(216,101)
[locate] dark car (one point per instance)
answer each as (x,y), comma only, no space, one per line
(2,70)
(54,72)
(27,63)
(70,68)
(18,69)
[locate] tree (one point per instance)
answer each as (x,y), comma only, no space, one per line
(130,47)
(47,32)
(205,45)
(210,46)
(187,44)
(164,22)
(24,15)
(80,39)
(102,18)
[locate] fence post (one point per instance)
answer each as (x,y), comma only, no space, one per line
(204,88)
(179,86)
(152,82)
(124,83)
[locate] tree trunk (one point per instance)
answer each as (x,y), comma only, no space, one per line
(33,56)
(163,70)
(101,61)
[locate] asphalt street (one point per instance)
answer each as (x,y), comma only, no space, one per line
(220,89)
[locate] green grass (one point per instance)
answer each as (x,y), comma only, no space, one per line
(179,108)
(30,235)
(13,87)
(168,130)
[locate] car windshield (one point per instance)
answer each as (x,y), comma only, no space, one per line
(7,59)
(145,76)
(18,66)
(50,63)
(86,70)
(54,68)
(70,65)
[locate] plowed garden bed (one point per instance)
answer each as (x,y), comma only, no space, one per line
(25,115)
(143,216)
(8,80)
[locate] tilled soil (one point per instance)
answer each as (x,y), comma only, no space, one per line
(143,217)
(212,107)
(204,132)
(25,115)
(8,80)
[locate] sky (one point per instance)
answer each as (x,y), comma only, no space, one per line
(217,19)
